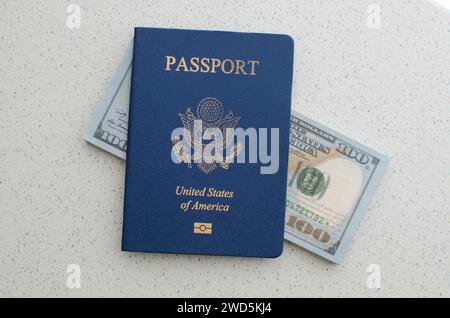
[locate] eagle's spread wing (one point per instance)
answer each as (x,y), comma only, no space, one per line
(228,123)
(223,125)
(188,124)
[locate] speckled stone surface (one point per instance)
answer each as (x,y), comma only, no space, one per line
(61,199)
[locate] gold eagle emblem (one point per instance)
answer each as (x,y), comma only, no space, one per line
(210,112)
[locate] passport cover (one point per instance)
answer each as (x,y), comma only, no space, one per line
(226,79)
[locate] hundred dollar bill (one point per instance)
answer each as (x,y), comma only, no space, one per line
(331,181)
(109,127)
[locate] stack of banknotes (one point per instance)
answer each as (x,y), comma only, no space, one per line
(331,177)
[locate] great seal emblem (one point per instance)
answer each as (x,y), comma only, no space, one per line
(211,114)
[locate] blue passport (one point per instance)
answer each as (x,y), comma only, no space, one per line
(208,143)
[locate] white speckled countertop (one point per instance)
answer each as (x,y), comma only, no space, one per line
(61,198)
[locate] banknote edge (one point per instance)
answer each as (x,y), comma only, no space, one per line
(105,103)
(361,211)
